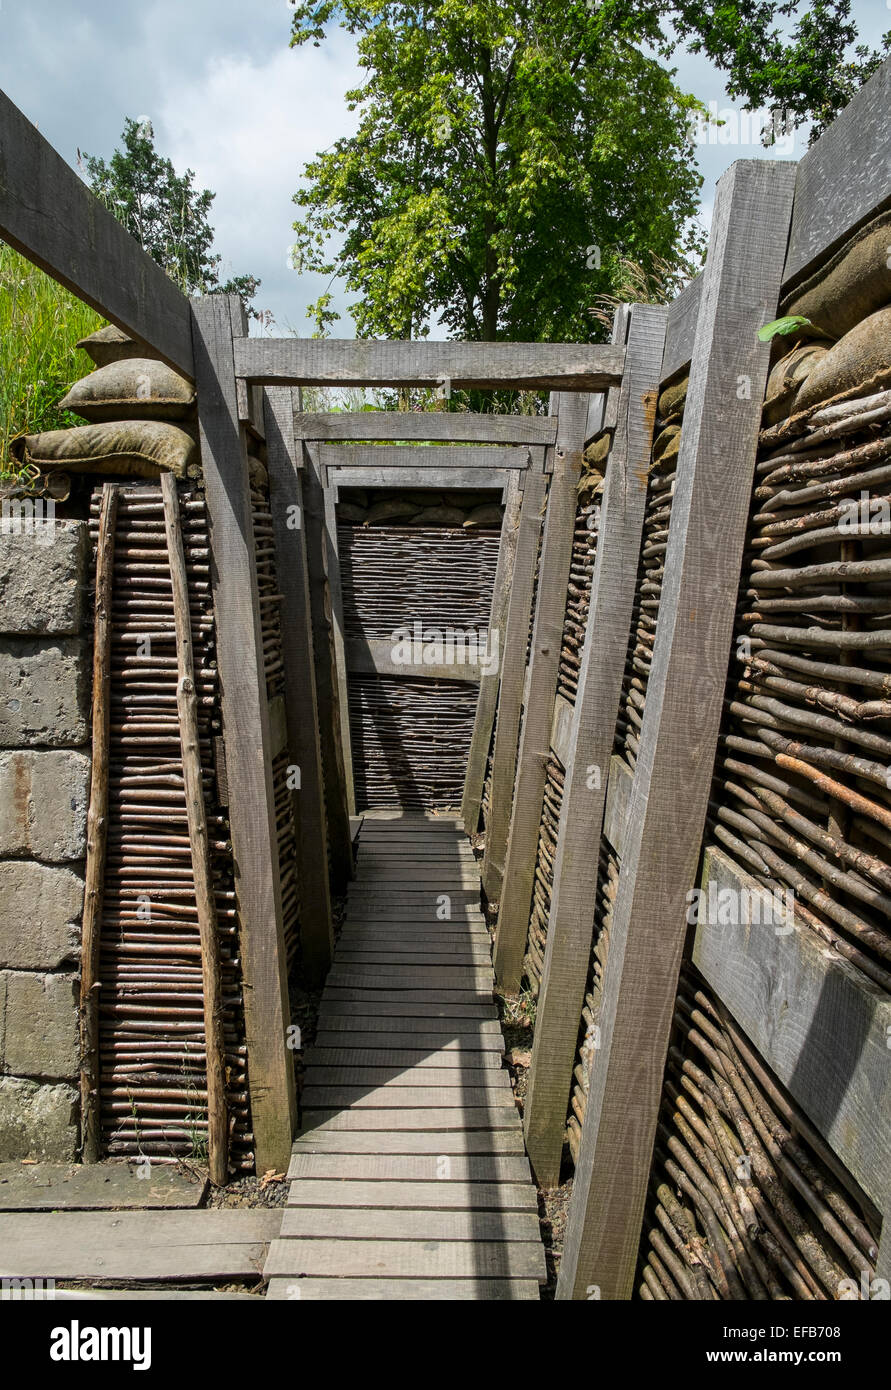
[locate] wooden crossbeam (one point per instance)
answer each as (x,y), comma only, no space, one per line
(455,427)
(440,458)
(464,366)
(378,656)
(50,216)
(474,479)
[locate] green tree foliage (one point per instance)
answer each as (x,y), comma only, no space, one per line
(516,159)
(165,212)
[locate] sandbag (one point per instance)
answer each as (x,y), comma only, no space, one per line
(357,496)
(785,380)
(667,443)
(863,356)
(439,516)
(137,388)
(136,448)
(598,450)
(487,515)
(424,499)
(111,345)
(348,511)
(391,509)
(673,399)
(851,286)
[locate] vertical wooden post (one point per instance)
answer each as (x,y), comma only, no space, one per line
(97,830)
(196,815)
(592,733)
(510,689)
(245,729)
(541,685)
(301,702)
(682,715)
(484,719)
(335,591)
(331,715)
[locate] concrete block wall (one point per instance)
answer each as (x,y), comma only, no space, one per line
(44,789)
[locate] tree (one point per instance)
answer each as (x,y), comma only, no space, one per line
(165,212)
(515,157)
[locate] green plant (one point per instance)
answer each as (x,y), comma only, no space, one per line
(40,322)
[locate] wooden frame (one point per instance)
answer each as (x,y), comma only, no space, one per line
(740,291)
(454,427)
(592,732)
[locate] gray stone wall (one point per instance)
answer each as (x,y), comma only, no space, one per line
(44,789)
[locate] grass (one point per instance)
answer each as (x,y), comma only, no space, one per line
(40,322)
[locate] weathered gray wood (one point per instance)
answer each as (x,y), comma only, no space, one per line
(518,805)
(373,1009)
(499,1141)
(853,160)
(314,1223)
(447,1193)
(510,687)
(618,799)
(432,1118)
(474,479)
(680,331)
(680,725)
(50,215)
(464,366)
(385,1062)
(245,730)
(374,655)
(392,1258)
(97,1186)
(561,727)
(441,457)
(301,697)
(134,1245)
(378,1078)
(409,1098)
(331,716)
(335,591)
(592,735)
(454,426)
(819,1023)
(404,1290)
(484,719)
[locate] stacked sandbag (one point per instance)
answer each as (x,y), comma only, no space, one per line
(140,414)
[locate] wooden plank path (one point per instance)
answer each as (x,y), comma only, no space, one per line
(409,1178)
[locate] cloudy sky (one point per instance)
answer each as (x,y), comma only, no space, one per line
(228,98)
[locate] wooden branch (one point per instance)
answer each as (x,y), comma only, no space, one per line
(301,699)
(97,830)
(50,215)
(592,735)
(464,366)
(196,815)
(484,719)
(681,719)
(246,731)
(455,426)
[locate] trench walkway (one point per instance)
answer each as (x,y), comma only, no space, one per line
(409,1177)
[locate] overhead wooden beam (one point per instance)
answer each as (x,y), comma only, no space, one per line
(681,719)
(592,735)
(484,719)
(844,179)
(463,366)
(301,699)
(474,479)
(377,656)
(50,216)
(441,457)
(518,862)
(246,732)
(455,426)
(338,633)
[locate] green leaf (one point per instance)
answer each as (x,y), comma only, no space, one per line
(781,327)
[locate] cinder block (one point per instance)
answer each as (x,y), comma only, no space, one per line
(44,691)
(37,1121)
(43,804)
(43,574)
(41,1025)
(40,912)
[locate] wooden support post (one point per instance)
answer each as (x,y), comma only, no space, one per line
(510,690)
(681,720)
(97,830)
(245,730)
(301,702)
(484,719)
(196,815)
(550,610)
(592,733)
(331,715)
(335,591)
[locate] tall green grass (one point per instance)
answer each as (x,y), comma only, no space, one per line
(39,324)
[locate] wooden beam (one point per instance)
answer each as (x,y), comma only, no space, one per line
(331,715)
(245,731)
(301,699)
(375,656)
(454,426)
(510,689)
(550,611)
(50,216)
(335,595)
(682,715)
(817,1021)
(484,719)
(618,799)
(592,735)
(441,458)
(853,160)
(561,728)
(680,331)
(462,366)
(474,479)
